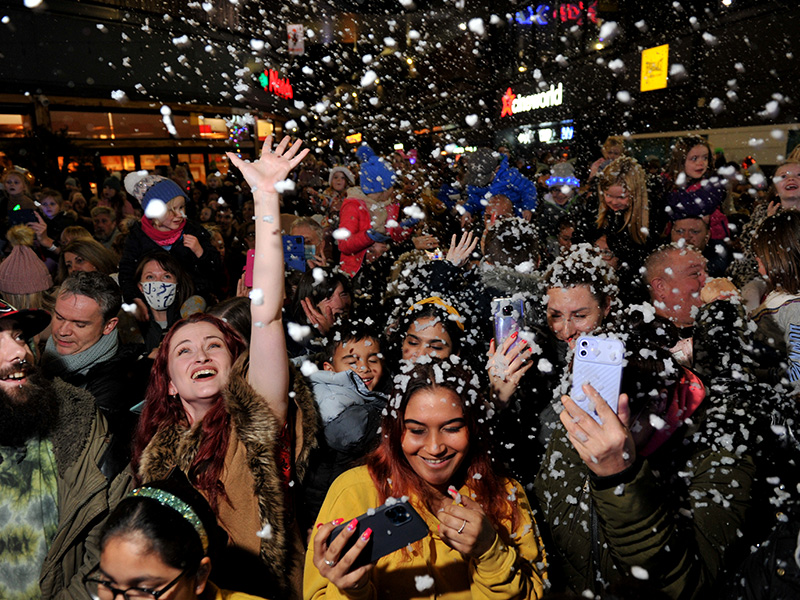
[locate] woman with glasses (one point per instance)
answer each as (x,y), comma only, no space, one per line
(158,543)
(164,227)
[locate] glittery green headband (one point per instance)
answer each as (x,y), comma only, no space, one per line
(175,503)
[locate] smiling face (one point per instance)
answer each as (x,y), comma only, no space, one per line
(174,217)
(696,162)
(128,560)
(676,289)
(435,438)
(13,350)
(787,184)
(693,230)
(572,311)
(339,302)
(616,198)
(427,337)
(199,363)
(78,323)
(363,357)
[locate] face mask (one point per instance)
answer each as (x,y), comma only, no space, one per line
(159,294)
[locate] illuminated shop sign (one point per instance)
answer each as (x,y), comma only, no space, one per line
(353,139)
(573,13)
(271,81)
(513,104)
(655,65)
(547,133)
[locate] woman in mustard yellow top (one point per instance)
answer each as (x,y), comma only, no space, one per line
(482,541)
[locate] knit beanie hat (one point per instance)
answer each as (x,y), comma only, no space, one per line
(376,176)
(113,183)
(562,174)
(146,187)
(24,273)
(347,173)
(481,165)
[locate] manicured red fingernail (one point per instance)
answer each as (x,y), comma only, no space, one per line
(523,341)
(338,521)
(352,525)
(366,535)
(452,491)
(319,525)
(514,335)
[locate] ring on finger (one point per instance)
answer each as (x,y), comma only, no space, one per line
(330,563)
(461,529)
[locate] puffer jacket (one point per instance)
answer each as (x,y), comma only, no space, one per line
(507,181)
(85,495)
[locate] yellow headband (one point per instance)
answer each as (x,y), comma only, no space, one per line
(443,304)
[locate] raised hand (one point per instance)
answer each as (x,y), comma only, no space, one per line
(272,166)
(459,253)
(506,366)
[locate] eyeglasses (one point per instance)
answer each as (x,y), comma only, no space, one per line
(100,589)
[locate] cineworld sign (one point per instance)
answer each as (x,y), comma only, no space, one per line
(513,104)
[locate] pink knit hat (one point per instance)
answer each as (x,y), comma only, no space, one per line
(24,273)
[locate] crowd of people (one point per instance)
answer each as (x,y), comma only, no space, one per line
(225,381)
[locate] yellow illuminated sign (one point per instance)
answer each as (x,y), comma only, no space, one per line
(655,66)
(353,139)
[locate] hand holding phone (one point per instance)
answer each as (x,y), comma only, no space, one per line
(507,314)
(598,362)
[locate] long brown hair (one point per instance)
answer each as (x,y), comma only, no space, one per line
(626,172)
(680,150)
(393,475)
(162,410)
(777,244)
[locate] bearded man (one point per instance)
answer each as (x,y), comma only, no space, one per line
(55,486)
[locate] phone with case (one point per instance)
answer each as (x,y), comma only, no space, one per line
(394,526)
(598,362)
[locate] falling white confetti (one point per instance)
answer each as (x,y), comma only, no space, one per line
(287,185)
(129,308)
(423,582)
(369,78)
(257,296)
(266,532)
(298,332)
(476,26)
(640,573)
(156,209)
(341,234)
(471,120)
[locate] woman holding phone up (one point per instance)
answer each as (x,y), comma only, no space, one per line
(482,540)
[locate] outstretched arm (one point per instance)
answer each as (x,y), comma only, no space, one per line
(269,364)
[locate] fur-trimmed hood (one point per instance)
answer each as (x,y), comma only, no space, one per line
(259,431)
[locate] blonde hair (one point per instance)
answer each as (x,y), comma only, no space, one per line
(614,140)
(626,172)
(20,235)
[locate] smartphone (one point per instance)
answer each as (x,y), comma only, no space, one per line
(394,526)
(294,252)
(507,315)
(248,268)
(598,362)
(20,216)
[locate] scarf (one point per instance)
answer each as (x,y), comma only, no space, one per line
(80,363)
(162,238)
(686,397)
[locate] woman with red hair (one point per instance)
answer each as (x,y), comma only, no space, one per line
(223,416)
(482,540)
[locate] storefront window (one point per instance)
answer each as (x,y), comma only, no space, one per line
(196,164)
(150,162)
(119,163)
(264,128)
(218,163)
(106,125)
(13,125)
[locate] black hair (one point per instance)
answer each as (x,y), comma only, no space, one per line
(169,534)
(168,262)
(317,289)
(424,311)
(349,332)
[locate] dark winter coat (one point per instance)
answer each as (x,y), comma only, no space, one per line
(205,271)
(85,494)
(507,181)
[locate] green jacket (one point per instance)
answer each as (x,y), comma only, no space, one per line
(85,495)
(676,514)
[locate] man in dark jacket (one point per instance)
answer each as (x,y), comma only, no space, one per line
(84,350)
(55,486)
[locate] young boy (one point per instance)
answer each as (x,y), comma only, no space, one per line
(349,394)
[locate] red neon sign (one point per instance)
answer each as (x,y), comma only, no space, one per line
(271,82)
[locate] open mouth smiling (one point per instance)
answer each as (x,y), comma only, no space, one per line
(203,374)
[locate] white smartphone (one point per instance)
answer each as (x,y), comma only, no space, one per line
(598,362)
